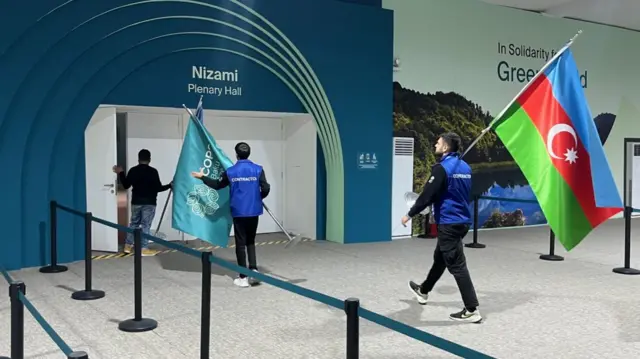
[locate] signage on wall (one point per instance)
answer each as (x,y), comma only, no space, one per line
(225,78)
(367,161)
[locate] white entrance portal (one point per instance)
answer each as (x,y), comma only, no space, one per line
(284,144)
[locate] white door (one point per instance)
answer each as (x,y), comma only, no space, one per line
(300,162)
(100,157)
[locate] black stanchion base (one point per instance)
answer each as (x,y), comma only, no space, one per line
(78,355)
(551,257)
(475,245)
(88,294)
(53,269)
(628,271)
(137,326)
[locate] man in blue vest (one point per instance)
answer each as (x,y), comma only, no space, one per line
(448,189)
(249,187)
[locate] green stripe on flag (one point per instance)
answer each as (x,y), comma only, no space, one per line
(558,202)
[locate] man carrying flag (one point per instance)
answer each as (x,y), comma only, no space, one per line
(549,131)
(249,187)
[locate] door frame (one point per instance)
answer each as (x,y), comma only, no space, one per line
(627,141)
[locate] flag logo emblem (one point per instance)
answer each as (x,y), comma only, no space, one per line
(203,200)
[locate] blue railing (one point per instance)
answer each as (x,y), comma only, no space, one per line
(351,306)
(19,301)
(66,349)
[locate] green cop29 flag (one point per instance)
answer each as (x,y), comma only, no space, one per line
(197,209)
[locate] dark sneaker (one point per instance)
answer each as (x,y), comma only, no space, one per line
(467,316)
(254,281)
(415,289)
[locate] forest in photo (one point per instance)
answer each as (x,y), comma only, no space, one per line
(425,116)
(495,174)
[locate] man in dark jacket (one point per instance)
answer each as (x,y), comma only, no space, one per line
(448,189)
(249,187)
(146,184)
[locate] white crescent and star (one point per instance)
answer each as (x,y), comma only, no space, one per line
(571,155)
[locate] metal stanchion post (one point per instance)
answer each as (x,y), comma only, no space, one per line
(17,319)
(88,293)
(475,243)
(552,248)
(138,323)
(78,355)
(351,306)
(627,246)
(205,329)
(53,267)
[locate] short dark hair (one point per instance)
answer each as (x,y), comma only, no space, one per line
(453,141)
(144,155)
(243,150)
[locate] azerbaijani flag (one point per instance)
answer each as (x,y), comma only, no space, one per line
(551,135)
(200,111)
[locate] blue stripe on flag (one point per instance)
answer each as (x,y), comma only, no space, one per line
(568,91)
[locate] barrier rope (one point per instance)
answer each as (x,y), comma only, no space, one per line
(112,225)
(177,247)
(308,293)
(420,335)
(43,323)
(70,210)
(379,319)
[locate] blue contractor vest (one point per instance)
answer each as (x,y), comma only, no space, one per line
(453,206)
(246,200)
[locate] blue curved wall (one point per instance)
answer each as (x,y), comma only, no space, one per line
(60,59)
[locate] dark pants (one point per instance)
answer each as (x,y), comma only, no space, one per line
(449,254)
(244,230)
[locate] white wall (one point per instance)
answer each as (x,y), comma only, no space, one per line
(161,131)
(466,53)
(263,132)
(300,161)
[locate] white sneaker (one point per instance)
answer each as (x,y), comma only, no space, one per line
(241,282)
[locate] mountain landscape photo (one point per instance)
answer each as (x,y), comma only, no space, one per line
(425,116)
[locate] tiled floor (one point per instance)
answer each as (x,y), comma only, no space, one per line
(576,308)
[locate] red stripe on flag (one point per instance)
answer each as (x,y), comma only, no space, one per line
(566,151)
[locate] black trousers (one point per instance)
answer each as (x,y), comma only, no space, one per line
(244,230)
(449,254)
